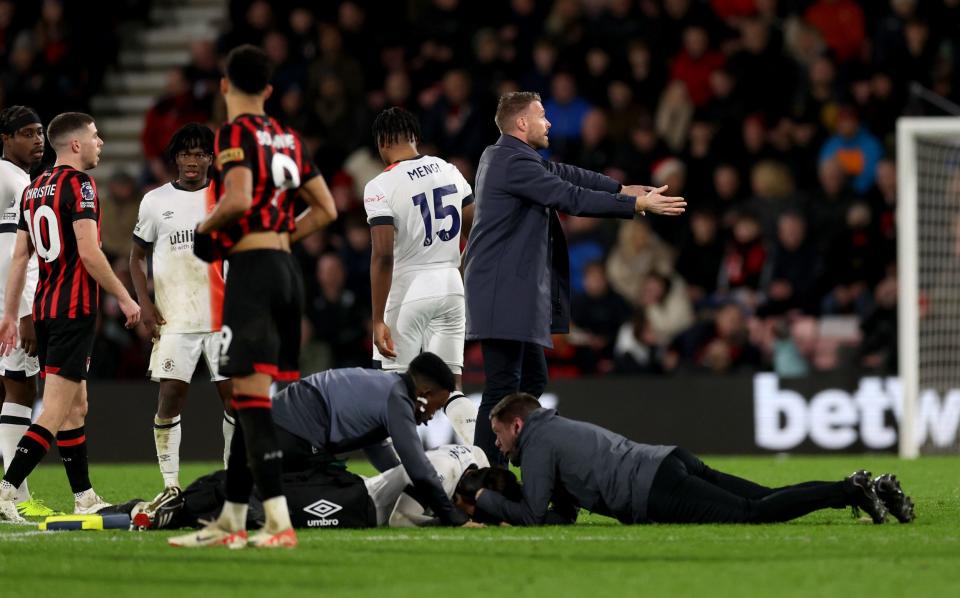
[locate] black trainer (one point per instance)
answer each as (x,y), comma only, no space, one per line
(898,504)
(864,496)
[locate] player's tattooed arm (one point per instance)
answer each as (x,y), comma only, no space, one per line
(236,199)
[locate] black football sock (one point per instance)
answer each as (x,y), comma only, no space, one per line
(263,451)
(72,445)
(32,447)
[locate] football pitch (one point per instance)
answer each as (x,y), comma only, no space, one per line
(824,554)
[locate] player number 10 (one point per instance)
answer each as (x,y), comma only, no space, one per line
(441,212)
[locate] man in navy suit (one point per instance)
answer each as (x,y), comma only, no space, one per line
(517,271)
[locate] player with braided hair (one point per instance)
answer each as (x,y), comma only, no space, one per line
(418,209)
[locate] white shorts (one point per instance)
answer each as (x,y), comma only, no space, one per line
(18,365)
(434,324)
(175,356)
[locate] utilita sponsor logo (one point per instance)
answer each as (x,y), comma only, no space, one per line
(835,419)
(323,508)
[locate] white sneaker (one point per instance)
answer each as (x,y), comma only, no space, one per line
(88,503)
(8,504)
(210,535)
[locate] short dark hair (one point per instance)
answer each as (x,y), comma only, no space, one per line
(510,105)
(64,124)
(502,481)
(394,125)
(189,136)
(430,367)
(249,69)
(518,404)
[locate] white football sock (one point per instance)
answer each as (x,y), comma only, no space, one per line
(229,425)
(166,436)
(233,517)
(277,514)
(14,421)
(462,414)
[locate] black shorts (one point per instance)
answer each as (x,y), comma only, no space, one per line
(262,305)
(64,346)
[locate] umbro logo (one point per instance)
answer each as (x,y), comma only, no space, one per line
(167,215)
(323,508)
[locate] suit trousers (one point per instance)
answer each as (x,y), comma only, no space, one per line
(509,367)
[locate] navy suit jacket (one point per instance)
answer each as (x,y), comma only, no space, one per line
(517,272)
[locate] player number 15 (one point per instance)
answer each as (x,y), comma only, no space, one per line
(441,212)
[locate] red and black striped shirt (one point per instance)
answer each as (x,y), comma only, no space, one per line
(280,164)
(48,208)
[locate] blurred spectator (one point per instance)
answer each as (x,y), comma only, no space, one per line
(637,254)
(120,206)
(623,111)
(695,63)
(586,243)
(596,315)
(852,268)
(596,151)
(203,73)
(727,196)
(257,21)
(674,113)
(700,257)
(721,345)
(744,259)
(764,75)
(643,149)
(647,75)
(355,255)
(828,208)
(773,194)
(565,111)
(791,279)
(338,318)
(841,24)
(855,149)
(544,61)
(878,350)
(456,125)
(666,306)
(636,350)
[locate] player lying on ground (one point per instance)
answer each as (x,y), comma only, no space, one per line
(578,465)
(343,410)
(185,321)
(22,134)
(418,208)
(60,217)
(386,493)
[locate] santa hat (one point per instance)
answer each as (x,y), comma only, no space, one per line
(666,168)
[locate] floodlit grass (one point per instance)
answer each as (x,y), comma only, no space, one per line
(825,554)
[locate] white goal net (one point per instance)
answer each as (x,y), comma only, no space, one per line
(928,247)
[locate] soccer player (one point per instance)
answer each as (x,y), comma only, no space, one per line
(396,508)
(185,322)
(22,135)
(261,165)
(567,465)
(60,218)
(418,208)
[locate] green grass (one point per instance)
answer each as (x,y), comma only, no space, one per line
(825,554)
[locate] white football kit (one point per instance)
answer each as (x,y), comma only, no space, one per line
(396,509)
(13,180)
(189,291)
(423,199)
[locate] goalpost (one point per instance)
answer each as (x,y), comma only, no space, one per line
(928,268)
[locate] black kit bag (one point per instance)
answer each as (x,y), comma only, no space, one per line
(328,496)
